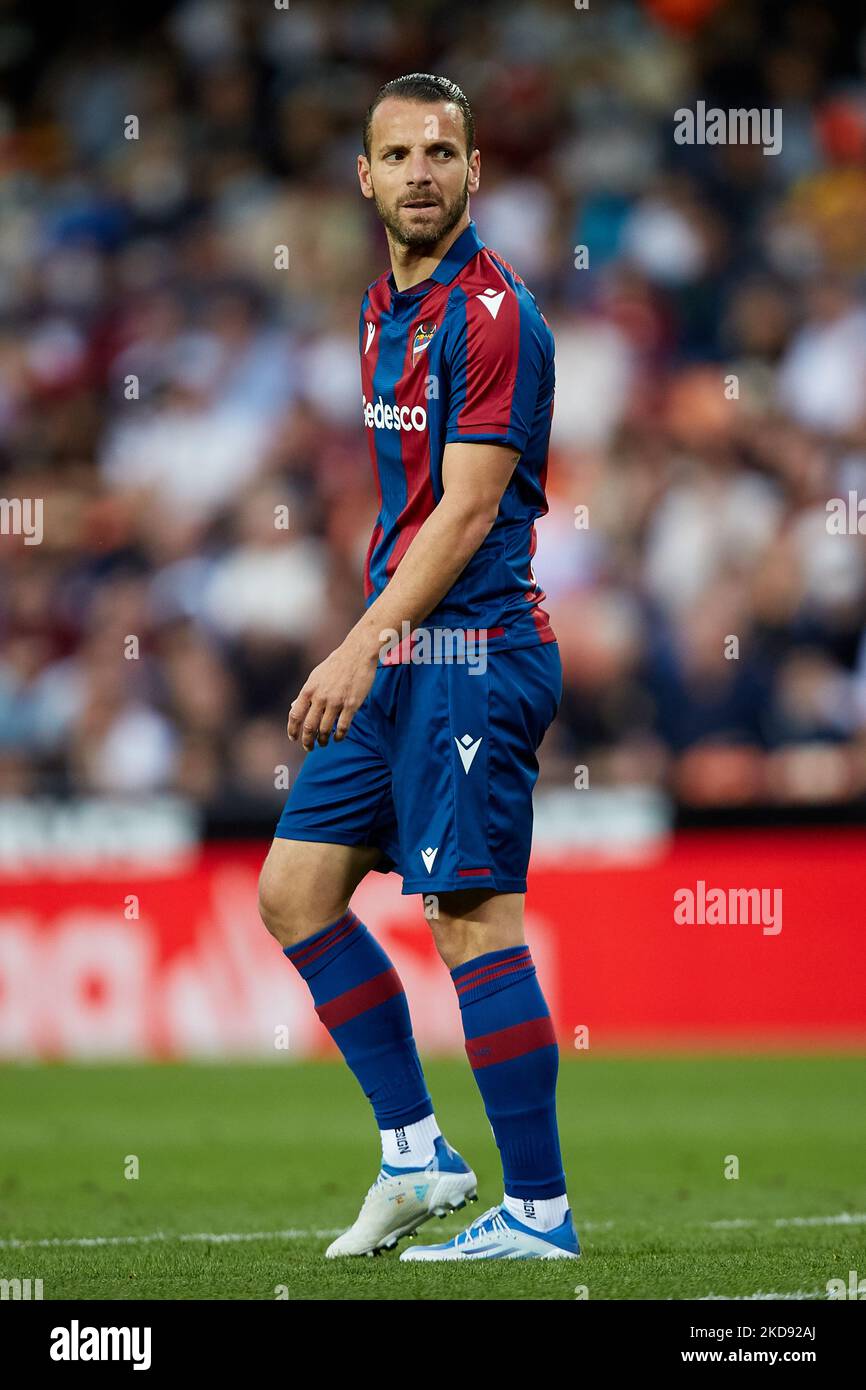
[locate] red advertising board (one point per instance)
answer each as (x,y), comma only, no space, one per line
(717,940)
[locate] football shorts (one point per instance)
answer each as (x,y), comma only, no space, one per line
(437,771)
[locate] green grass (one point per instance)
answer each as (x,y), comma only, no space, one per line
(267,1148)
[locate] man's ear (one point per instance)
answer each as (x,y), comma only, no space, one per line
(364,176)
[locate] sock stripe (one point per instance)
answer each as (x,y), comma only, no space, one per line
(305,955)
(478,975)
(505,1044)
(464,986)
(359,999)
(512,1050)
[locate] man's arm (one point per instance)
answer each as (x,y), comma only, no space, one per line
(474,478)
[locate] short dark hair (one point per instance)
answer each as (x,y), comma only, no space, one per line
(422,86)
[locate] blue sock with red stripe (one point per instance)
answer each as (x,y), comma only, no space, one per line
(359,998)
(514,1056)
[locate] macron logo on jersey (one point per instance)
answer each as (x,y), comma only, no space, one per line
(492,301)
(393,417)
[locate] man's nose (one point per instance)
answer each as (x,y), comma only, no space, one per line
(418,170)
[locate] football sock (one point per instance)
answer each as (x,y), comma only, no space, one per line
(359,997)
(536,1213)
(410,1146)
(514,1056)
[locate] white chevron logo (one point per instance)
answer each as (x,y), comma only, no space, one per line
(491,300)
(467,750)
(428,855)
(371,329)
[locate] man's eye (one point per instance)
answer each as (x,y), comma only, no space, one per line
(398,154)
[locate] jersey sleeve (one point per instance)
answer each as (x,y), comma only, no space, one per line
(362,314)
(495,367)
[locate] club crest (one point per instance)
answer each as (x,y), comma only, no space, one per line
(423,333)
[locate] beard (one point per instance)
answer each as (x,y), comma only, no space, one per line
(431,228)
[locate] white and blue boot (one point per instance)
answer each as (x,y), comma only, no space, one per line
(497,1235)
(402,1199)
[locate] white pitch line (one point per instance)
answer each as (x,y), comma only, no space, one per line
(214,1238)
(844,1218)
(220,1238)
(745,1297)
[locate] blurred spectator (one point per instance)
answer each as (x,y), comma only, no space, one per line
(190,412)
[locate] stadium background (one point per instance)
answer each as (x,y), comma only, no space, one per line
(138,795)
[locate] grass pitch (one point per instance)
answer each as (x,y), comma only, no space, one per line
(246,1171)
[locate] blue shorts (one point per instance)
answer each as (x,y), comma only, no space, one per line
(437,771)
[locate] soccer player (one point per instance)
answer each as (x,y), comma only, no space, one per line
(421,752)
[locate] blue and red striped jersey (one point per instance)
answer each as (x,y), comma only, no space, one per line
(466,355)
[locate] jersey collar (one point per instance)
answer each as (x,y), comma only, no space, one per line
(459,254)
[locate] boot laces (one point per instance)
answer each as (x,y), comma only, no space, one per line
(473,1232)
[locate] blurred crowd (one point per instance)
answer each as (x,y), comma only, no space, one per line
(169,389)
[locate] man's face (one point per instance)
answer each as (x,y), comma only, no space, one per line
(418,172)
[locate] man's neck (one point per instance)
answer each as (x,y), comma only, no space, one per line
(410,268)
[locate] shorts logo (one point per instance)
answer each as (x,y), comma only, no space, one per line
(429,855)
(467,750)
(423,333)
(393,417)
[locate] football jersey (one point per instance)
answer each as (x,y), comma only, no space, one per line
(466,355)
